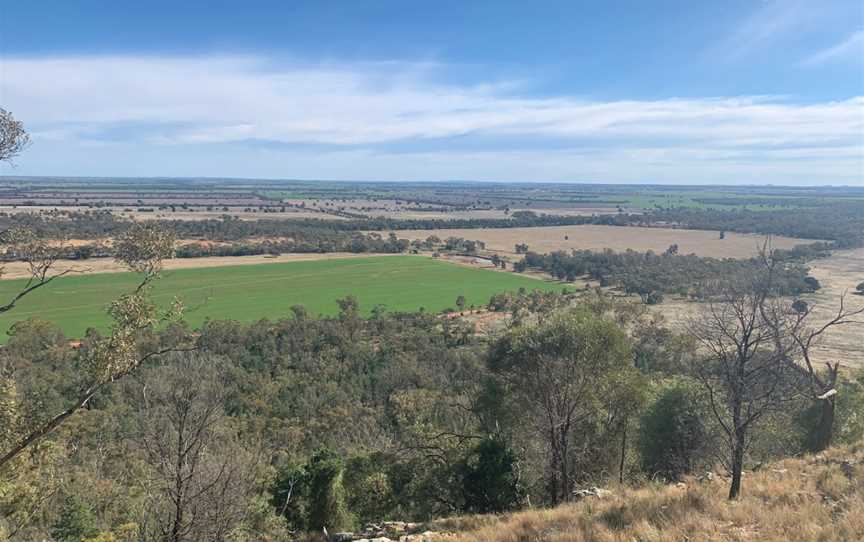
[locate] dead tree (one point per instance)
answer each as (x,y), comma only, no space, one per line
(820,387)
(746,371)
(200,476)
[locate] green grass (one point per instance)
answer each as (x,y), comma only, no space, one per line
(251,292)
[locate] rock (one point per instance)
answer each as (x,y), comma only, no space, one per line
(342,537)
(681,485)
(425,536)
(600,493)
(707,477)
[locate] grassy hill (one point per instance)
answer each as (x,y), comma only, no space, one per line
(816,498)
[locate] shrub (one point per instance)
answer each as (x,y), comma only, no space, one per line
(672,440)
(327,506)
(488,478)
(76,522)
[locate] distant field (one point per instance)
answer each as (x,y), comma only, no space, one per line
(619,238)
(248,293)
(838,274)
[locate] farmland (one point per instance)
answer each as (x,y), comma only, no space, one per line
(249,199)
(619,238)
(251,292)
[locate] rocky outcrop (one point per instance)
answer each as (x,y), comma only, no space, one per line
(391,531)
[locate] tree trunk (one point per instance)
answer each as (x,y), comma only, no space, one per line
(825,429)
(737,464)
(623,454)
(565,468)
(555,470)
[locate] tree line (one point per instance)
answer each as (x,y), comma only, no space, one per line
(652,275)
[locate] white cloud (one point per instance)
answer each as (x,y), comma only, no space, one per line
(169,107)
(851,47)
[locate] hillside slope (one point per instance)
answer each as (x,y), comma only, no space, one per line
(818,498)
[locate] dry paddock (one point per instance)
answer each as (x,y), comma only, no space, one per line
(838,275)
(18,270)
(619,238)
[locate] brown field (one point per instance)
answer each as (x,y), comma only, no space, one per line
(322,209)
(397,209)
(199,213)
(485,213)
(18,270)
(838,274)
(619,238)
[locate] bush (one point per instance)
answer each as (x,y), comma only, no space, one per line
(488,478)
(327,506)
(76,522)
(672,440)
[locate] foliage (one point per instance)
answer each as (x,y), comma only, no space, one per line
(327,506)
(651,275)
(13,137)
(571,374)
(674,439)
(489,479)
(76,522)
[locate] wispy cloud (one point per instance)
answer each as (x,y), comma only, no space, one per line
(767,23)
(852,47)
(172,106)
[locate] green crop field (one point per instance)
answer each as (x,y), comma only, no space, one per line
(251,292)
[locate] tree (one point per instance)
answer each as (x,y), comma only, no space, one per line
(460,302)
(142,249)
(848,426)
(202,477)
(76,521)
(745,374)
(13,137)
(821,385)
(860,288)
(562,373)
(673,437)
(489,478)
(106,359)
(327,507)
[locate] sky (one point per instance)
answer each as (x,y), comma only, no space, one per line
(640,91)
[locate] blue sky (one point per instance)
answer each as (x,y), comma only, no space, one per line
(715,91)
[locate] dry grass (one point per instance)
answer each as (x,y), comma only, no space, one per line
(837,274)
(549,239)
(818,498)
